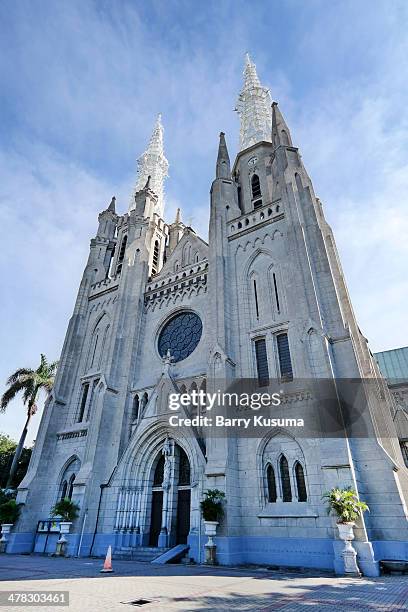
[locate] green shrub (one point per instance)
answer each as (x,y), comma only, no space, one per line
(9,511)
(211,506)
(66,509)
(345,504)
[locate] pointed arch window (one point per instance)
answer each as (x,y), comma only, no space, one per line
(285,362)
(275,288)
(262,362)
(271,484)
(123,248)
(285,479)
(84,397)
(121,256)
(256,186)
(71,486)
(143,403)
(64,489)
(156,251)
(256,298)
(135,408)
(300,482)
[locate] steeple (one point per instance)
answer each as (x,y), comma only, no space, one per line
(254,108)
(176,230)
(152,168)
(280,131)
(223,168)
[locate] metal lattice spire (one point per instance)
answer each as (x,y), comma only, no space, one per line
(153,164)
(254,108)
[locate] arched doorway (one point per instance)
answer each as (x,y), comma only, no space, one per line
(171,497)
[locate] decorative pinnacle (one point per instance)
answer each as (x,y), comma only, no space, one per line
(280,131)
(223,168)
(153,164)
(254,108)
(112,205)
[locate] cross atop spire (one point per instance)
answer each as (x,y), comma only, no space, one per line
(153,165)
(254,108)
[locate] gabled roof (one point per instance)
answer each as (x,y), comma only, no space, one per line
(198,246)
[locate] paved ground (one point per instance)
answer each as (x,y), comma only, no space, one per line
(175,587)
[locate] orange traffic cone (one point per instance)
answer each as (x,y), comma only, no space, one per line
(107,566)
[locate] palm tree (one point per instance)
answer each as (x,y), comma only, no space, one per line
(30,383)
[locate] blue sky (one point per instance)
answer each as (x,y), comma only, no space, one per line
(82,82)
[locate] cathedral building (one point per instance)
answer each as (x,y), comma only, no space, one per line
(160,310)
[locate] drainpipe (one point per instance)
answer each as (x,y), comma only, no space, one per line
(82,533)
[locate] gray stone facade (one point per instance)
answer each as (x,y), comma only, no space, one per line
(106,422)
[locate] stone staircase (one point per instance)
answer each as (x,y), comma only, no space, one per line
(140,554)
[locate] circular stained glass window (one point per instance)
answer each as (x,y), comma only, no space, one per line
(180,335)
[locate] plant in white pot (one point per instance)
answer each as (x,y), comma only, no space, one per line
(345,504)
(9,513)
(68,511)
(212,511)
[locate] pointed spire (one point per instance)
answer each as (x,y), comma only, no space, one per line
(251,78)
(178,216)
(280,131)
(223,168)
(154,165)
(254,108)
(112,205)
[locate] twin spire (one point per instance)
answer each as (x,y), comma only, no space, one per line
(254,108)
(152,168)
(256,116)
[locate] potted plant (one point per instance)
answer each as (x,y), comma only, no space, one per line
(67,510)
(344,503)
(9,513)
(212,511)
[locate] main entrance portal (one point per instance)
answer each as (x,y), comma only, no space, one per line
(171,497)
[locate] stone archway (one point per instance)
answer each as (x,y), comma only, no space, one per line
(140,498)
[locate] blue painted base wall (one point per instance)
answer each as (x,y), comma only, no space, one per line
(290,552)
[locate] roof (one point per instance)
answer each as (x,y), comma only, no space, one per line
(394,363)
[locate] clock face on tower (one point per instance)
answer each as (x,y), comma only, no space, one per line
(181,334)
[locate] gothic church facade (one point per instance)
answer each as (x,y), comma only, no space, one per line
(160,310)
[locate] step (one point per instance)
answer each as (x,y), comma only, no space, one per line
(142,554)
